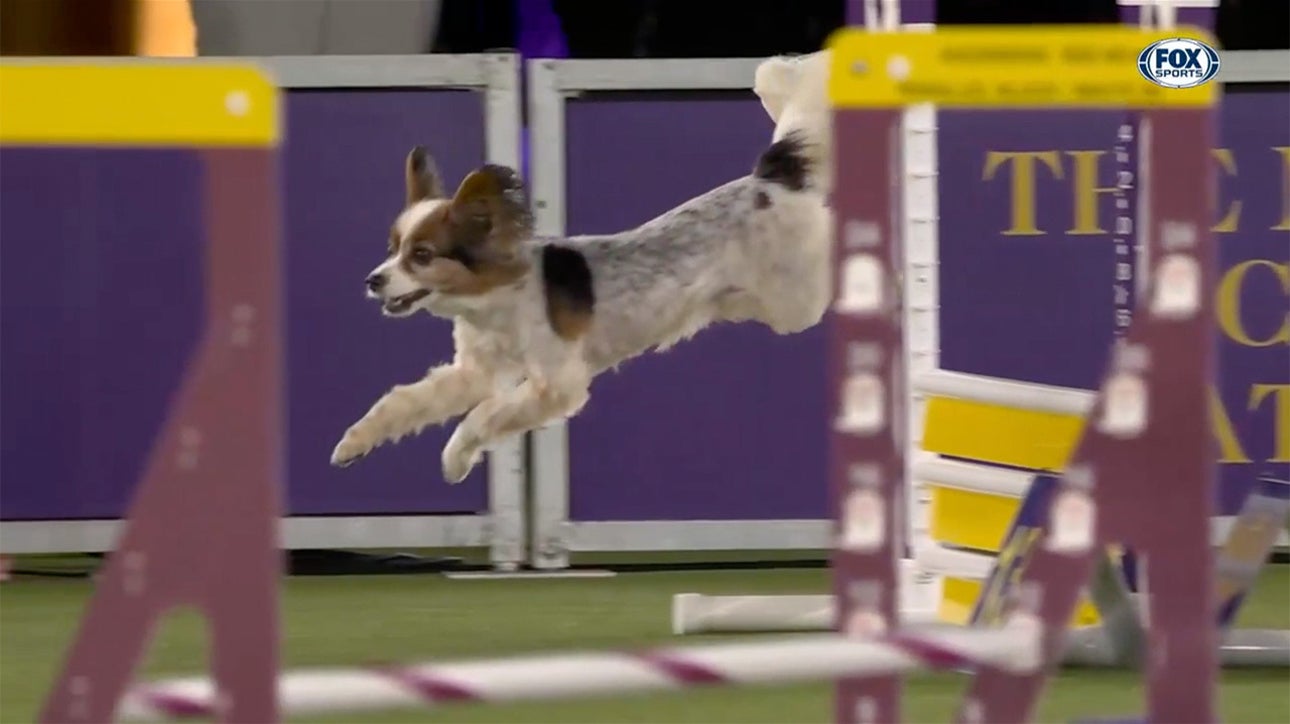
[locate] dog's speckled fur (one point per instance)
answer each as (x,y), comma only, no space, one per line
(537,318)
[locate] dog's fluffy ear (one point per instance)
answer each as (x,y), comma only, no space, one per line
(422,177)
(774,82)
(493,196)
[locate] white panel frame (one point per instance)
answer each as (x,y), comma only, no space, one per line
(502,529)
(553,535)
(551,83)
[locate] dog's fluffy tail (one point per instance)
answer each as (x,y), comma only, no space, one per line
(786,163)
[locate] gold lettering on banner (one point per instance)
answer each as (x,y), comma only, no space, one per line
(1280,393)
(1087,192)
(1229,303)
(1285,188)
(1229,446)
(1022,190)
(1232,218)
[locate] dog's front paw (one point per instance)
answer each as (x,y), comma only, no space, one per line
(353,446)
(460,455)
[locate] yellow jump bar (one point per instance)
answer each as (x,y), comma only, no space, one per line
(1001,435)
(959,595)
(970,519)
(136,103)
(1087,66)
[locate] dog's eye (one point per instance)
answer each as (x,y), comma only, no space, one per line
(422,255)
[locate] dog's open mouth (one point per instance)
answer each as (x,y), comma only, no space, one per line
(401,304)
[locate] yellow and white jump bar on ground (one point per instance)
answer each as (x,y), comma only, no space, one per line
(994,434)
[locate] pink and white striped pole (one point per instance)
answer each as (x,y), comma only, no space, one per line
(589,674)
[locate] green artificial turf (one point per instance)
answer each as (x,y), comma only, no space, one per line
(370,619)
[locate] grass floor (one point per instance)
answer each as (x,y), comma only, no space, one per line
(368,619)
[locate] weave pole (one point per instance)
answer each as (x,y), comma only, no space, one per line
(590,674)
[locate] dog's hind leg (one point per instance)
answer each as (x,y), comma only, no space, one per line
(445,392)
(533,403)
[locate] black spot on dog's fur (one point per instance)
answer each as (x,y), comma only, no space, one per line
(761,200)
(570,298)
(785,163)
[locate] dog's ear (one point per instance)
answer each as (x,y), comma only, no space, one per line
(774,82)
(422,177)
(492,197)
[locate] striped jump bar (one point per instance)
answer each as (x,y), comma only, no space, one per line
(590,674)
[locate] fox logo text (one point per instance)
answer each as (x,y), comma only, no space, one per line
(1178,63)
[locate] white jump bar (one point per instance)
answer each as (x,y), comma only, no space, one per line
(1009,393)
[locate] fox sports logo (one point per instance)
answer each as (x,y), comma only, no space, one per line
(1178,63)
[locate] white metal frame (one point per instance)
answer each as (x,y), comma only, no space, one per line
(496,75)
(551,83)
(553,535)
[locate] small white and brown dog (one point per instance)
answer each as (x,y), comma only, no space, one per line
(536,319)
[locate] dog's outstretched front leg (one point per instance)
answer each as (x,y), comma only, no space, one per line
(528,406)
(407,409)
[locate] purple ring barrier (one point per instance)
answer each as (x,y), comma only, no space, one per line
(130,304)
(724,434)
(120,313)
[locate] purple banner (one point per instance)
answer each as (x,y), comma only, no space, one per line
(732,424)
(100,294)
(1029,199)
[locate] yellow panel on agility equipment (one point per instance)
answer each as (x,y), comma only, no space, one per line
(1085,66)
(133,103)
(998,434)
(970,519)
(959,595)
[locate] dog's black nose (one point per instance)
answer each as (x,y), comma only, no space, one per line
(375,281)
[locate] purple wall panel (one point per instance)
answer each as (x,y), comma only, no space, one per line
(100,302)
(728,425)
(731,425)
(344,176)
(1034,308)
(100,297)
(1253,123)
(1023,306)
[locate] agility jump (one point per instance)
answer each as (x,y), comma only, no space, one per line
(218,460)
(983,451)
(591,673)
